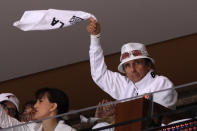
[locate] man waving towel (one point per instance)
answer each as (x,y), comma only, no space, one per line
(50,19)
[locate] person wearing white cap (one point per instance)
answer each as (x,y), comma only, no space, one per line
(10,104)
(138,67)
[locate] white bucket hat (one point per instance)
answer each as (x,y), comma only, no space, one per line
(10,97)
(132,51)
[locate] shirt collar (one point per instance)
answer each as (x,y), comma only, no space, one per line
(146,80)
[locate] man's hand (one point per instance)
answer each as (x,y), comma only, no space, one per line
(105,111)
(93,27)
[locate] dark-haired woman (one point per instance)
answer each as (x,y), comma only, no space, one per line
(49,102)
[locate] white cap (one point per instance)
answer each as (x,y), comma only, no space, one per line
(132,51)
(10,97)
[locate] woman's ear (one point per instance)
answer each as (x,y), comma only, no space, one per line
(53,107)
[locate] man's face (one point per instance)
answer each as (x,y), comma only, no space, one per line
(136,69)
(10,108)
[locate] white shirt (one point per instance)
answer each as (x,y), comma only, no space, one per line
(102,124)
(120,87)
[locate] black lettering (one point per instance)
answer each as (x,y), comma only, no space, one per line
(75,20)
(54,22)
(62,24)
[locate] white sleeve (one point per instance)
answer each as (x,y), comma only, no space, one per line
(103,124)
(111,82)
(7,121)
(166,98)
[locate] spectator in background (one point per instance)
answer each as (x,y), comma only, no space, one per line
(28,111)
(10,104)
(138,67)
(105,115)
(105,111)
(49,103)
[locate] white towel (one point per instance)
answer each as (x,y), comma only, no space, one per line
(50,19)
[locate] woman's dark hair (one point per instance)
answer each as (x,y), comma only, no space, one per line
(55,96)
